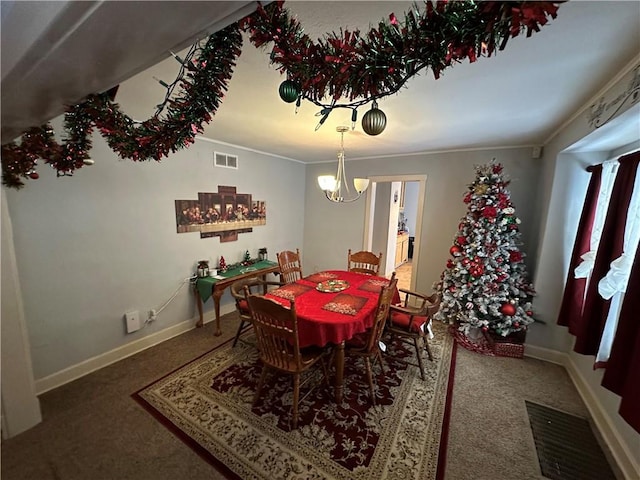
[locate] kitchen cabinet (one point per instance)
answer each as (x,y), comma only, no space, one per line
(402,248)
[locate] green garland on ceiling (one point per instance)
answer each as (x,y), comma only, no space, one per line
(346,65)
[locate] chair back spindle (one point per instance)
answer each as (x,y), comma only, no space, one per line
(290,265)
(364,262)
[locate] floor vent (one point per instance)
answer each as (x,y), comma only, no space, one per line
(566,446)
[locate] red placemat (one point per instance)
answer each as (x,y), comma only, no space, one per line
(291,291)
(374,285)
(321,277)
(345,304)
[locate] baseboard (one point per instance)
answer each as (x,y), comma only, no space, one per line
(90,365)
(546,354)
(619,450)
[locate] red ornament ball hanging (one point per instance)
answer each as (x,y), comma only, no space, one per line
(34,175)
(508,309)
(455,250)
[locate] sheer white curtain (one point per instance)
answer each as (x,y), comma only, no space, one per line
(614,284)
(609,171)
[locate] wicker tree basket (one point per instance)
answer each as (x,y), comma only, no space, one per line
(509,346)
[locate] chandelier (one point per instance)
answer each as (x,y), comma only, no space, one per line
(332,185)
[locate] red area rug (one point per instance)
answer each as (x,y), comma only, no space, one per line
(207,403)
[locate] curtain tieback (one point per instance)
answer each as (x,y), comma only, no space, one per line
(584,269)
(615,281)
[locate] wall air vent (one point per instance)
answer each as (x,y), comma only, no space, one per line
(225,160)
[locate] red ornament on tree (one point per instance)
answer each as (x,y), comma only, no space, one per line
(455,250)
(508,309)
(34,175)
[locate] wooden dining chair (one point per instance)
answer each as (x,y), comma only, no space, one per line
(410,320)
(254,285)
(366,345)
(276,328)
(290,265)
(364,262)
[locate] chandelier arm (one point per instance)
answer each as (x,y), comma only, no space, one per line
(334,192)
(341,199)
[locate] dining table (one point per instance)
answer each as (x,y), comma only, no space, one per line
(332,307)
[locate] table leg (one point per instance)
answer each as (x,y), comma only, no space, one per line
(217,294)
(200,321)
(339,364)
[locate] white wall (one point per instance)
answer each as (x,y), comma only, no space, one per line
(448,176)
(20,406)
(411,190)
(380,231)
(93,246)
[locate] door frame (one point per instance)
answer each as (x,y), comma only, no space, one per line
(369,212)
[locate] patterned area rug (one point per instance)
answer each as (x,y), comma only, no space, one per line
(207,403)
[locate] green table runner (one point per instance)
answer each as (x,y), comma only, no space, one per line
(205,284)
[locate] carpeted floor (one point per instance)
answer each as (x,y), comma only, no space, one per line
(208,403)
(93,429)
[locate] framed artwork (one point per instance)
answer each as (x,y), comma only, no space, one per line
(223,214)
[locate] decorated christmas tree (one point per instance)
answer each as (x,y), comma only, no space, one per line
(485,286)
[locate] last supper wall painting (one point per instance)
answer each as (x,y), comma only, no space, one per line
(223,214)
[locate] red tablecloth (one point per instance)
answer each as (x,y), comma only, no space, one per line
(319,319)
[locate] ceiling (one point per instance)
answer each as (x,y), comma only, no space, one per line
(56,52)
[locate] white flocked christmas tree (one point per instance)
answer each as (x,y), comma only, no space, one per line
(485,287)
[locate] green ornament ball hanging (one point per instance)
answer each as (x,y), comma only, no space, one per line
(374,121)
(289,91)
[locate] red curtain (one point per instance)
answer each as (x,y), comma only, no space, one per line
(622,375)
(595,310)
(573,298)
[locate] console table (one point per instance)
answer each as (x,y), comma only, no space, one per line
(206,287)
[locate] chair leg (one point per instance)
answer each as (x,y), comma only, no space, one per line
(367,364)
(379,357)
(325,371)
(263,376)
(427,347)
(235,340)
(419,354)
(296,395)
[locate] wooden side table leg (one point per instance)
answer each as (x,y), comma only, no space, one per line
(200,321)
(339,364)
(217,294)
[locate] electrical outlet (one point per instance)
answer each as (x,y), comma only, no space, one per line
(133,321)
(152,315)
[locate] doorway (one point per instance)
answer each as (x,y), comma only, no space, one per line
(382,215)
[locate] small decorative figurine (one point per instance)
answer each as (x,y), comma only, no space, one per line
(247,259)
(222,266)
(203,268)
